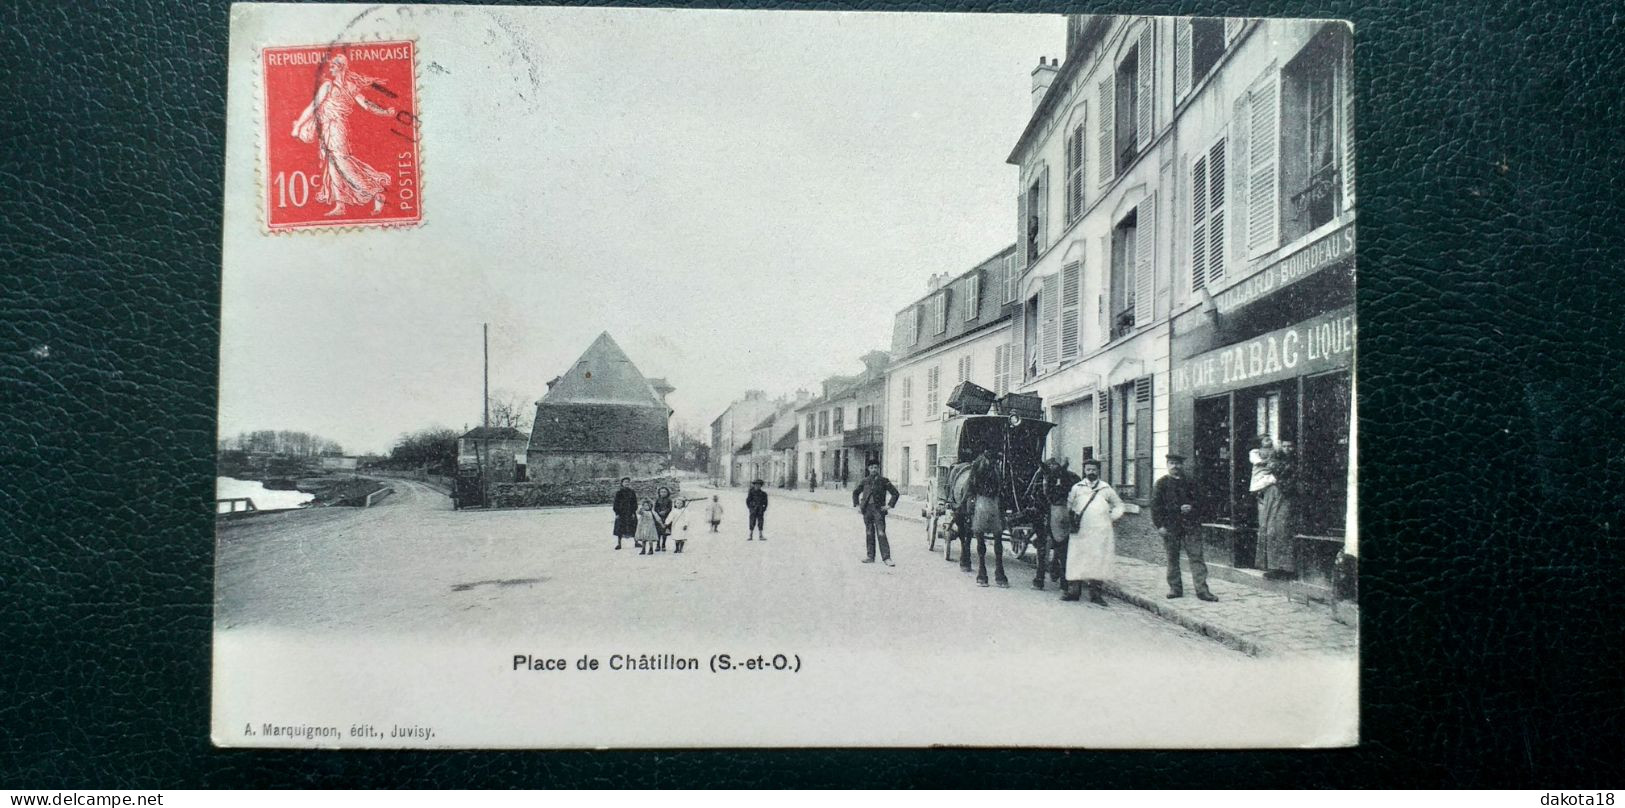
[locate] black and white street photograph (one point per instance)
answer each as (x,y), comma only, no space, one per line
(656,378)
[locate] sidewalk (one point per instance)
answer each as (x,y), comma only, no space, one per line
(1250,619)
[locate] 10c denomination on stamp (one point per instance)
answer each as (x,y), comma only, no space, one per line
(341,136)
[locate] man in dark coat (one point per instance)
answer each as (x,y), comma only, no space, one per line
(1055,481)
(1173,512)
(870,498)
(756,504)
(626,512)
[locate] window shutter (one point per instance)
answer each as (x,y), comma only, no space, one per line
(1182,58)
(1071,168)
(1146,93)
(1043,210)
(900,338)
(1143,437)
(1108,157)
(1232,27)
(1075,175)
(1263,202)
(1048,304)
(972,293)
(1215,220)
(1012,280)
(1103,447)
(1020,258)
(1144,266)
(1018,343)
(1348,122)
(1070,283)
(1199,204)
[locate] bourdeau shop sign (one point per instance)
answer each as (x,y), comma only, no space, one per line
(1319,344)
(1329,250)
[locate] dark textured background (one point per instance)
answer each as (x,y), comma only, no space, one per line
(1491,390)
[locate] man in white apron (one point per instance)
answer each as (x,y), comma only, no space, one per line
(1092,548)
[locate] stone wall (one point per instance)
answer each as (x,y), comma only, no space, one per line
(569,467)
(576,492)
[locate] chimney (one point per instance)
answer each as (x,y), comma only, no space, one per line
(1043,77)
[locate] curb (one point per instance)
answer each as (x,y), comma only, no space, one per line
(1209,630)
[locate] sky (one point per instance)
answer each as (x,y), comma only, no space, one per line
(743,200)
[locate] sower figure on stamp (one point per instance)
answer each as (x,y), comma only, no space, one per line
(1173,512)
(346,179)
(756,504)
(871,498)
(1092,548)
(626,512)
(1055,483)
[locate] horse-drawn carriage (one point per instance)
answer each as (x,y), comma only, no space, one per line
(1016,437)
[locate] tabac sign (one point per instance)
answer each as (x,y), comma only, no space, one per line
(1312,346)
(1332,249)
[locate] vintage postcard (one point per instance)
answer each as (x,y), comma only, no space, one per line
(654,378)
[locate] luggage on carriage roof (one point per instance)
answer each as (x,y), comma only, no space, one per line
(1025,405)
(971,398)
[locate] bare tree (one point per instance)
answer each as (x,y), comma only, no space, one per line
(510,409)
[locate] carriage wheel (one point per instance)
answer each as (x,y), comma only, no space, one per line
(1018,543)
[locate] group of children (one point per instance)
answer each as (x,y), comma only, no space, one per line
(657,520)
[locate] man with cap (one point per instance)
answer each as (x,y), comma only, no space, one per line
(756,505)
(871,498)
(1055,483)
(1173,512)
(1092,547)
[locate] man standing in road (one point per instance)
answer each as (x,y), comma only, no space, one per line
(870,497)
(1055,483)
(1092,548)
(756,505)
(1173,512)
(626,512)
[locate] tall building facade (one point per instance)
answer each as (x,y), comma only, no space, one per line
(730,433)
(1186,224)
(841,431)
(959,331)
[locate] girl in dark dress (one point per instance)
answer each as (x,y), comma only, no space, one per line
(663,506)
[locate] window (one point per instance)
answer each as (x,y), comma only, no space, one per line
(962,368)
(1029,340)
(1208,217)
(1036,218)
(837,421)
(1121,308)
(939,313)
(823,424)
(906,402)
(1127,136)
(930,457)
(1198,44)
(1268,414)
(1001,369)
(907,330)
(864,415)
(933,392)
(812,424)
(1125,427)
(970,293)
(1299,121)
(1074,173)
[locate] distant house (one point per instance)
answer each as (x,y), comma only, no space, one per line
(601,419)
(500,450)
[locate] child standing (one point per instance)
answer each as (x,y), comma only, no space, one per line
(648,535)
(714,512)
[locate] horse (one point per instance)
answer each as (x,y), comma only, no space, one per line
(962,504)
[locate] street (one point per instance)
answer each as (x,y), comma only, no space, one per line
(426,594)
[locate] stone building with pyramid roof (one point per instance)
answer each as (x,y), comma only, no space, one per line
(601,419)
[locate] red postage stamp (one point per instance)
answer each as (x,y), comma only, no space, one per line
(341,136)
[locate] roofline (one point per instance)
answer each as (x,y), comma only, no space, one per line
(974,267)
(1070,66)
